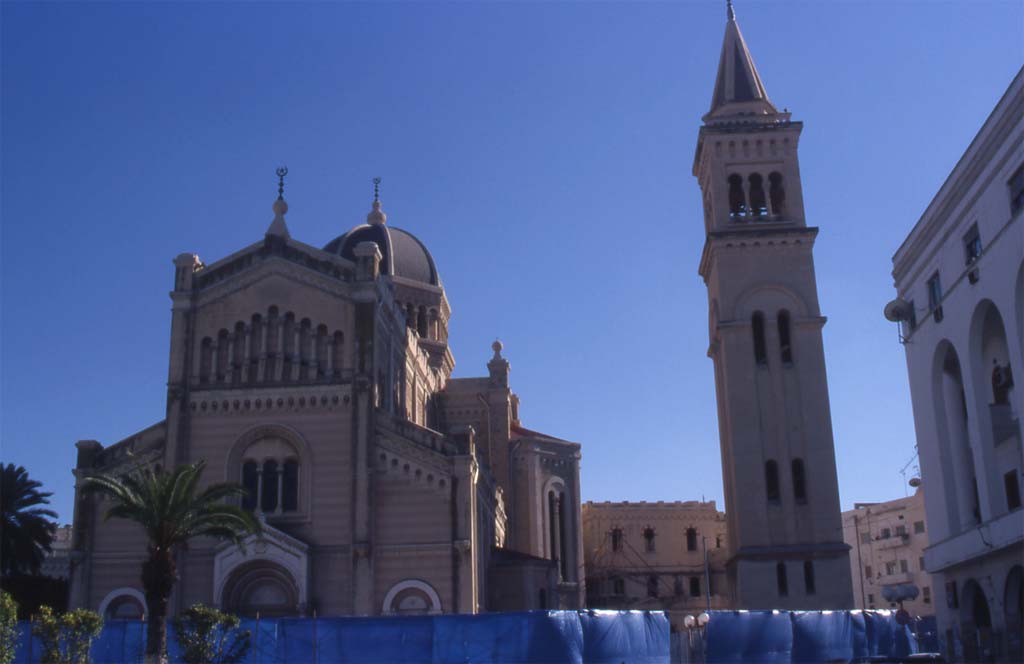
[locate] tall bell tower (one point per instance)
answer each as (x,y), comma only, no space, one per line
(778,460)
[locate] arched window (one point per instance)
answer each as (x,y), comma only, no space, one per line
(799,481)
(421,322)
(616,539)
(649,539)
(619,586)
(251,483)
(777,194)
(781,580)
(757,325)
(255,348)
(222,356)
(809,577)
(273,345)
(737,199)
(691,539)
(205,360)
(268,498)
(785,346)
(288,346)
(771,480)
(238,353)
(305,349)
(694,586)
(338,355)
(542,599)
(758,204)
(321,352)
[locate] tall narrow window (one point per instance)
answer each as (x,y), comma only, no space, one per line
(785,347)
(205,360)
(269,499)
(251,483)
(616,539)
(222,356)
(935,296)
(290,489)
(780,579)
(238,353)
(1012,490)
(649,540)
(563,537)
(619,586)
(757,324)
(972,245)
(771,480)
(691,539)
(758,203)
(737,199)
(799,481)
(652,586)
(694,586)
(809,577)
(255,348)
(777,194)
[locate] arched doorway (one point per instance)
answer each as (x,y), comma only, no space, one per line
(412,597)
(261,587)
(956,457)
(1013,604)
(976,624)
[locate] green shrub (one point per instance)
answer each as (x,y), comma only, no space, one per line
(8,627)
(67,637)
(208,636)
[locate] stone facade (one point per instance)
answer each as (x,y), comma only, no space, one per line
(642,555)
(786,549)
(320,379)
(959,277)
(887,542)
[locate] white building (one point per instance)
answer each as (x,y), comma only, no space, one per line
(960,281)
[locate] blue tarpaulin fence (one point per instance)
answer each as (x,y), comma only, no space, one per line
(535,637)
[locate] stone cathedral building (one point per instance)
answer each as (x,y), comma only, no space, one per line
(320,379)
(785,535)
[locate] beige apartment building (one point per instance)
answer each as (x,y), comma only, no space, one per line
(887,543)
(641,555)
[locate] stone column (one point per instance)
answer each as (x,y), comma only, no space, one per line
(465,535)
(280,489)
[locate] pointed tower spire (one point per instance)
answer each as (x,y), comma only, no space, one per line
(376,216)
(278,226)
(738,86)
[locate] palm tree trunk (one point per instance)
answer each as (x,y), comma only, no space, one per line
(158,577)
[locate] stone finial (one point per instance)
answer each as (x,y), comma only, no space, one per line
(278,226)
(498,367)
(376,215)
(729,13)
(496,347)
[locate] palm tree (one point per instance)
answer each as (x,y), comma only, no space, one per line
(26,531)
(167,506)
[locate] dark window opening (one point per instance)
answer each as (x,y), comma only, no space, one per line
(758,203)
(648,540)
(777,194)
(972,245)
(1016,185)
(270,479)
(757,323)
(619,586)
(691,539)
(809,577)
(886,533)
(1012,490)
(290,490)
(780,579)
(926,595)
(652,586)
(771,480)
(799,481)
(919,526)
(718,541)
(935,296)
(737,199)
(251,483)
(694,586)
(867,571)
(542,599)
(785,345)
(616,539)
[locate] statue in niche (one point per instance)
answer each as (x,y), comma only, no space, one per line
(1002,382)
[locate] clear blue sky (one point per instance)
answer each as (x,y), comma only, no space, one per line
(541,150)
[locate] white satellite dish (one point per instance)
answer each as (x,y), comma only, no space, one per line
(897,310)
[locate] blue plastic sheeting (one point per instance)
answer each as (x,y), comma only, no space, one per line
(530,637)
(804,636)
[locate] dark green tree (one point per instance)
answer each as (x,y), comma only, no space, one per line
(27,530)
(172,510)
(208,636)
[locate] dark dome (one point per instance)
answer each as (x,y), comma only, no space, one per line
(402,254)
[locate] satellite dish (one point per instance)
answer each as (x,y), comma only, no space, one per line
(915,482)
(897,310)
